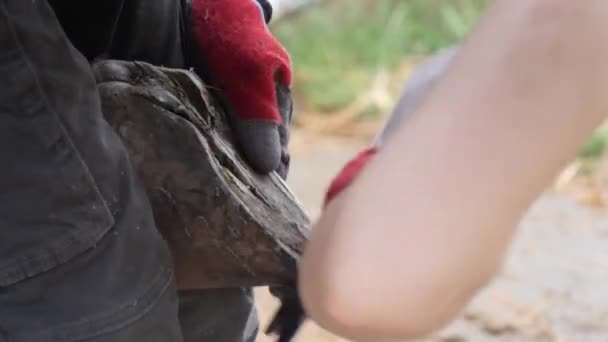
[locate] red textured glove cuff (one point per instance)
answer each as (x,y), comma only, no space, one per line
(245,58)
(348,173)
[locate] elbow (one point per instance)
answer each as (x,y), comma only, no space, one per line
(362,292)
(354,317)
(366,313)
(356,313)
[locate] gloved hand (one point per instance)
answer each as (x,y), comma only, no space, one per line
(253,73)
(225,41)
(290,316)
(349,173)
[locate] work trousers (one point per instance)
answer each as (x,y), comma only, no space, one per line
(80,256)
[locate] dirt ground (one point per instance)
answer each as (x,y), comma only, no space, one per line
(553,286)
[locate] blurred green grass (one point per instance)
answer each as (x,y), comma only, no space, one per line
(339,46)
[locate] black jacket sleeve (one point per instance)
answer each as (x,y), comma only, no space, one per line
(142,30)
(153,31)
(88,24)
(150,31)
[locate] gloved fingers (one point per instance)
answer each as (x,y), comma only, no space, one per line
(260,143)
(283,169)
(112,71)
(246,63)
(290,316)
(265,143)
(285,105)
(261,115)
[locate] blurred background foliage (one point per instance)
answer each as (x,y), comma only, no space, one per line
(352,57)
(340,47)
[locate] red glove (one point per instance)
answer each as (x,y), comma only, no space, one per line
(349,173)
(253,72)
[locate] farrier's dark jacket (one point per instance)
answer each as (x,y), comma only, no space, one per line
(157,32)
(154,31)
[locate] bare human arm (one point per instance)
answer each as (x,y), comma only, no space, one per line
(401,251)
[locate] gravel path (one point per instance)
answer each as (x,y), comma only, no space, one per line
(553,286)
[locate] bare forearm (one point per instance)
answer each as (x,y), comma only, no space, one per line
(427,223)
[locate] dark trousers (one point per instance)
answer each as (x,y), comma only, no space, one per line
(80,257)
